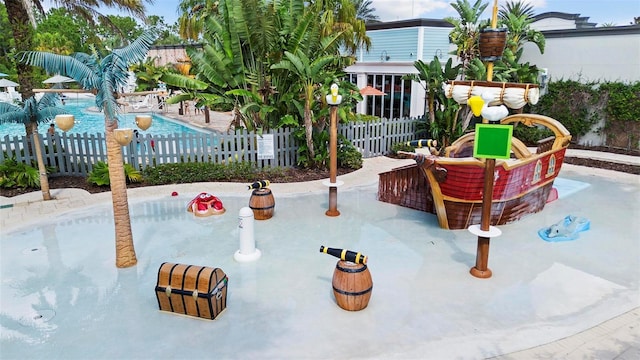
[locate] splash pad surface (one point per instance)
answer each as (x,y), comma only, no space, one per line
(61,293)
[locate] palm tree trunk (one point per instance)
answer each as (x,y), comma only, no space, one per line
(308,129)
(308,123)
(23,31)
(44,180)
(125,251)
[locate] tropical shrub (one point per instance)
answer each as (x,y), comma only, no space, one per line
(15,174)
(622,114)
(571,103)
(273,63)
(348,155)
(442,113)
(148,74)
(531,135)
(181,173)
(401,146)
(100,174)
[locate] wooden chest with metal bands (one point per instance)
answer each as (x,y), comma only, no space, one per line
(198,291)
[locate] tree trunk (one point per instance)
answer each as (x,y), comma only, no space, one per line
(308,123)
(44,181)
(125,251)
(308,130)
(23,38)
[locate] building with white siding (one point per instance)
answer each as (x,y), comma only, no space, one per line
(395,46)
(575,49)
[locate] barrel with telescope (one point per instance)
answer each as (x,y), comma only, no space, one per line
(261,184)
(352,283)
(345,255)
(423,143)
(262,201)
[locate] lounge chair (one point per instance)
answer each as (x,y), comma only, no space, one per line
(15,96)
(146,102)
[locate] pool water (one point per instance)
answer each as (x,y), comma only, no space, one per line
(93,122)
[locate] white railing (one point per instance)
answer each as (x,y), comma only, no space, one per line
(75,154)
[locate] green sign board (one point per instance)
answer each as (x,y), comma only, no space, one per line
(492,141)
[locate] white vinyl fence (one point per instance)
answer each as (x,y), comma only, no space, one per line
(75,154)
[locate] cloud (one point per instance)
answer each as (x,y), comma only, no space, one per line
(390,10)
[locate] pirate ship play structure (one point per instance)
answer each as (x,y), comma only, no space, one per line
(452,185)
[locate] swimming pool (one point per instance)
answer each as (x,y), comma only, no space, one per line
(93,122)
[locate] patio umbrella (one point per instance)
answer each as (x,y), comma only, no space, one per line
(7,83)
(3,74)
(57,79)
(370,90)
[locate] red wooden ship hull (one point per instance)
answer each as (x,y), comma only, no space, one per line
(452,185)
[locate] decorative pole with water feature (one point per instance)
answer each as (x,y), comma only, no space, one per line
(333,100)
(488,148)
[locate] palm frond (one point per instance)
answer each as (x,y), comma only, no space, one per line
(182,81)
(302,31)
(48,113)
(181,97)
(320,63)
(10,113)
(137,50)
(48,99)
(244,93)
(32,110)
(65,65)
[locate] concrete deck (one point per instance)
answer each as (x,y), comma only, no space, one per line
(606,326)
(218,121)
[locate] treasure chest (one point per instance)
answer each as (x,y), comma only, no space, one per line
(199,291)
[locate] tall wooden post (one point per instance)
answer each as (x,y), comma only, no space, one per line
(333,162)
(481,269)
(333,100)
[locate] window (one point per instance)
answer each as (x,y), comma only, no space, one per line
(552,165)
(396,102)
(537,173)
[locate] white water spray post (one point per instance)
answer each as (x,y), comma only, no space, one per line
(247,251)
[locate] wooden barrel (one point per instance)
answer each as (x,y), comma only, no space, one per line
(491,44)
(262,203)
(352,285)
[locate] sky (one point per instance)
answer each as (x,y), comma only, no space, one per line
(618,12)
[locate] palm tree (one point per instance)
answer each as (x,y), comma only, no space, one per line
(19,18)
(339,16)
(22,21)
(194,13)
(233,55)
(334,15)
(466,29)
(520,32)
(364,11)
(308,74)
(517,8)
(245,38)
(37,112)
(432,76)
(103,76)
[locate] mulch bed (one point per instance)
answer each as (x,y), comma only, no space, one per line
(300,175)
(79,182)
